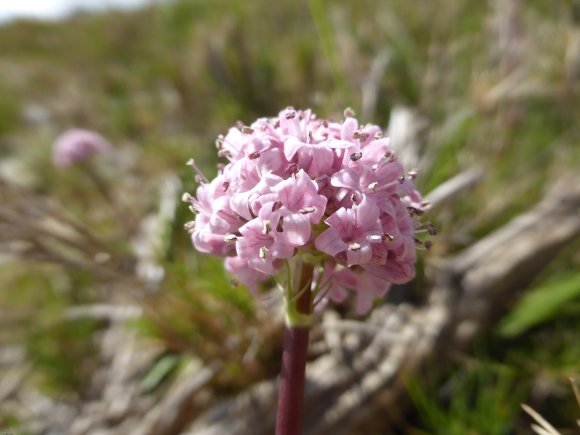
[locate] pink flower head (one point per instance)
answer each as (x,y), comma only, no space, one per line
(297,186)
(77,145)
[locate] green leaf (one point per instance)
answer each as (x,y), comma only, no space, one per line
(541,304)
(160,370)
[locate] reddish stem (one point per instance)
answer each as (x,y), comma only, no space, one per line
(291,393)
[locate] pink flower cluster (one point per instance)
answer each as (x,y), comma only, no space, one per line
(76,145)
(298,185)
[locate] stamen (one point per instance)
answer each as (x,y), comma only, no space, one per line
(349,113)
(226,185)
(386,186)
(191,163)
(276,206)
(194,209)
(428,244)
(375,238)
(390,157)
(354,247)
(254,155)
(307,210)
(230,238)
(373,186)
(378,134)
(290,115)
(263,252)
(401,179)
(266,227)
(387,237)
(224,153)
(431,229)
(247,130)
(356,156)
(189,226)
(413,174)
(219,143)
(309,136)
(325,123)
(360,135)
(414,211)
(186,197)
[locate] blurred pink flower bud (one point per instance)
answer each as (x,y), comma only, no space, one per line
(77,145)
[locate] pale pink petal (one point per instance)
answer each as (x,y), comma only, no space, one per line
(296,229)
(329,242)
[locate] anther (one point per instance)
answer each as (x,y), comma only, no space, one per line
(360,135)
(325,123)
(263,252)
(224,153)
(401,179)
(354,247)
(266,227)
(276,206)
(307,210)
(431,229)
(193,209)
(414,211)
(387,237)
(186,197)
(356,156)
(226,186)
(428,244)
(230,238)
(219,143)
(254,155)
(413,174)
(373,185)
(290,115)
(247,130)
(378,134)
(349,113)
(189,226)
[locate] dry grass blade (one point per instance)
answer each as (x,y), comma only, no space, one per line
(576,394)
(544,427)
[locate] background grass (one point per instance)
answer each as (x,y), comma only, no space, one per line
(496,84)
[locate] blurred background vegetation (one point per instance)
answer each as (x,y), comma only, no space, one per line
(494,84)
